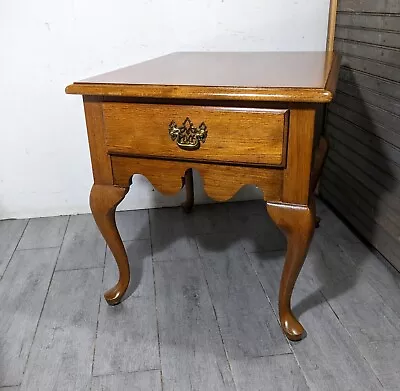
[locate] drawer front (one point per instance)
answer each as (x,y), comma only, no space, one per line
(213,134)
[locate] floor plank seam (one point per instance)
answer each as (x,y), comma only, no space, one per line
(217,322)
(15,249)
(175,260)
(355,342)
(272,355)
(262,287)
(79,268)
(98,313)
(155,301)
(44,301)
(277,318)
(277,251)
(40,248)
(118,373)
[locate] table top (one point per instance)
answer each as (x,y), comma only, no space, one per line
(298,76)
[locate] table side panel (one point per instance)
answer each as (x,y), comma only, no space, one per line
(296,183)
(221,182)
(235,135)
(101,163)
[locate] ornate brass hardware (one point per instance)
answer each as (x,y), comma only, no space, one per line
(187,136)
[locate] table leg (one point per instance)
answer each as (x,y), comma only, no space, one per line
(297,223)
(104,199)
(188,204)
(320,157)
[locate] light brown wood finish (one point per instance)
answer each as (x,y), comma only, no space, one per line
(221,182)
(319,160)
(101,163)
(246,76)
(296,183)
(297,223)
(331,25)
(235,135)
(247,100)
(104,199)
(189,187)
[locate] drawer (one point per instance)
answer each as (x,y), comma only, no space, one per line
(213,134)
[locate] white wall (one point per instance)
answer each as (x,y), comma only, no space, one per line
(47,44)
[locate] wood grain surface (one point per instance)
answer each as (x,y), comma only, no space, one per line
(265,76)
(234,134)
(221,182)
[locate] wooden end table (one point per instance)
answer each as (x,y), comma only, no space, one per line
(238,118)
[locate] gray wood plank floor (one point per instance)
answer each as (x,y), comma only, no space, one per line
(200,313)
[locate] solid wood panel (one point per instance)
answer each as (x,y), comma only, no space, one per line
(375,141)
(376,37)
(369,96)
(387,6)
(101,164)
(376,83)
(369,125)
(296,182)
(249,69)
(234,135)
(166,176)
(369,21)
(300,76)
(333,67)
(371,67)
(331,24)
(366,50)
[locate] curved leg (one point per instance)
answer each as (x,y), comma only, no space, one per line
(188,204)
(104,199)
(320,157)
(297,223)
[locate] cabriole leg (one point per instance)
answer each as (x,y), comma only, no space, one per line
(104,199)
(297,223)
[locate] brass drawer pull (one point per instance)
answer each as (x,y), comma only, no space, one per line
(187,136)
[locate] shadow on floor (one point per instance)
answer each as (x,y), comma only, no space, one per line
(246,223)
